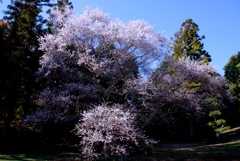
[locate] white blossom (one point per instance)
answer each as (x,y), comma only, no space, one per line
(109,131)
(87,59)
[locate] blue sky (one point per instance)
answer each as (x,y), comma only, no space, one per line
(218,20)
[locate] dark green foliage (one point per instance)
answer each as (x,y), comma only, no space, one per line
(232,73)
(19,59)
(62,4)
(219,125)
(187,43)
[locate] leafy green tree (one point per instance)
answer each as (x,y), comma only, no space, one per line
(232,73)
(187,43)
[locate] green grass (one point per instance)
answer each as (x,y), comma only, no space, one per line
(223,151)
(199,152)
(227,150)
(42,153)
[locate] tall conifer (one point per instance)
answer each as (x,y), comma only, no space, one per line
(187,43)
(19,57)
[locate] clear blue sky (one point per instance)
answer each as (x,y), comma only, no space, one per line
(218,20)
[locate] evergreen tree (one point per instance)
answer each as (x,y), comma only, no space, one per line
(19,57)
(62,4)
(187,43)
(219,125)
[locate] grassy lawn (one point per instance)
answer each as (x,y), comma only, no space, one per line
(227,150)
(198,152)
(166,152)
(41,153)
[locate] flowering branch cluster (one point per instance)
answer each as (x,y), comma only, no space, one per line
(110,131)
(191,85)
(88,59)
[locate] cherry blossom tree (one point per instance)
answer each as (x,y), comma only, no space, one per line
(186,88)
(90,60)
(110,131)
(187,80)
(189,88)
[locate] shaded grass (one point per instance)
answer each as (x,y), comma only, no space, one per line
(41,153)
(227,150)
(200,152)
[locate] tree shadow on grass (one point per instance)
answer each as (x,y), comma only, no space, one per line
(40,153)
(229,151)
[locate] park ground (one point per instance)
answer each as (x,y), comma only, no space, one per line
(228,149)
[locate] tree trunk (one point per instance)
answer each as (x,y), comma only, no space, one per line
(191,128)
